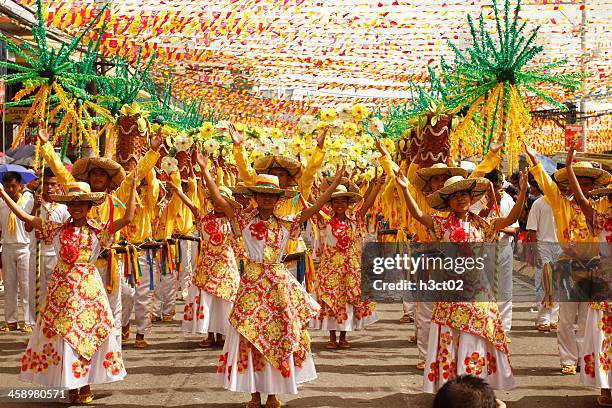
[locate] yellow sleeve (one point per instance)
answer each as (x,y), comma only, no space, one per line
(388,165)
(412,173)
(154,188)
(246,172)
(145,165)
(549,188)
(310,172)
(63,175)
(489,163)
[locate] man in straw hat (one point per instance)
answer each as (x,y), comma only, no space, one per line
(103,175)
(449,332)
(78,339)
(290,174)
(572,227)
(594,347)
(421,182)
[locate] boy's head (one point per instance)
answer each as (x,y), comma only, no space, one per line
(466,391)
(12,183)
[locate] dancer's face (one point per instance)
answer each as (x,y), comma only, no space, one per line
(98,180)
(78,209)
(460,201)
(586,184)
(266,201)
(340,204)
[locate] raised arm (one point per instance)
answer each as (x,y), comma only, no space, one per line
(48,153)
(490,161)
(549,188)
(371,195)
(179,192)
(513,215)
(215,195)
(36,222)
(314,165)
(37,204)
(579,196)
(413,208)
(130,211)
(325,197)
(245,170)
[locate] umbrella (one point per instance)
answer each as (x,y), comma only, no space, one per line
(22,151)
(26,175)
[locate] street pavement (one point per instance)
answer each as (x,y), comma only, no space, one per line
(378,371)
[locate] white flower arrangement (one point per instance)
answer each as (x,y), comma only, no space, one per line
(169,165)
(183,143)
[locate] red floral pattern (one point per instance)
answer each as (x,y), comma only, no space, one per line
(589,365)
(474,364)
(113,363)
(258,230)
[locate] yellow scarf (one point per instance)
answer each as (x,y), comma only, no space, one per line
(11,227)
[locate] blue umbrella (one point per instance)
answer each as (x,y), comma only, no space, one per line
(26,175)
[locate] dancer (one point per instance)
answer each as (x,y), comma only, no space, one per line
(215,282)
(338,288)
(456,347)
(595,347)
(268,349)
(72,345)
(571,228)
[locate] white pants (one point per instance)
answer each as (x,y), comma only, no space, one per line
(15,271)
(187,266)
(114,298)
(165,294)
(408,307)
(139,298)
(569,337)
(545,315)
(506,258)
(47,264)
(422,322)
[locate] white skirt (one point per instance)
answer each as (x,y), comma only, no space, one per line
(266,381)
(54,363)
(350,324)
(205,313)
(596,351)
(451,352)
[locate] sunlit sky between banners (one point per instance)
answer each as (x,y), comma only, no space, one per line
(327,51)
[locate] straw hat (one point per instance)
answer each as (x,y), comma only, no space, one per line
(79,191)
(342,191)
(476,186)
(263,165)
(226,193)
(82,167)
(267,183)
(438,169)
(584,169)
(601,192)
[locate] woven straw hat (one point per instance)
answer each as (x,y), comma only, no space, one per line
(342,191)
(267,183)
(601,192)
(82,167)
(263,165)
(79,191)
(476,186)
(585,169)
(438,169)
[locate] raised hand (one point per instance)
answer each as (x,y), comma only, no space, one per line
(571,154)
(524,181)
(236,136)
(156,140)
(381,147)
(42,134)
(496,145)
(340,172)
(401,179)
(321,137)
(531,152)
(135,179)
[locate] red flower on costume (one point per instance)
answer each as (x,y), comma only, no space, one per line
(339,231)
(216,238)
(258,230)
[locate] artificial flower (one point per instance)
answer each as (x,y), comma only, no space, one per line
(169,165)
(328,114)
(360,112)
(183,143)
(345,111)
(207,130)
(349,129)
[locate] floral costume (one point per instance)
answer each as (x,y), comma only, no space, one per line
(268,348)
(216,280)
(71,345)
(596,347)
(466,337)
(338,288)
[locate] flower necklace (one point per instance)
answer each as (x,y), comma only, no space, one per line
(339,230)
(71,242)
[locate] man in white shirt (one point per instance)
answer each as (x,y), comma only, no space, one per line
(542,228)
(47,210)
(505,258)
(16,256)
